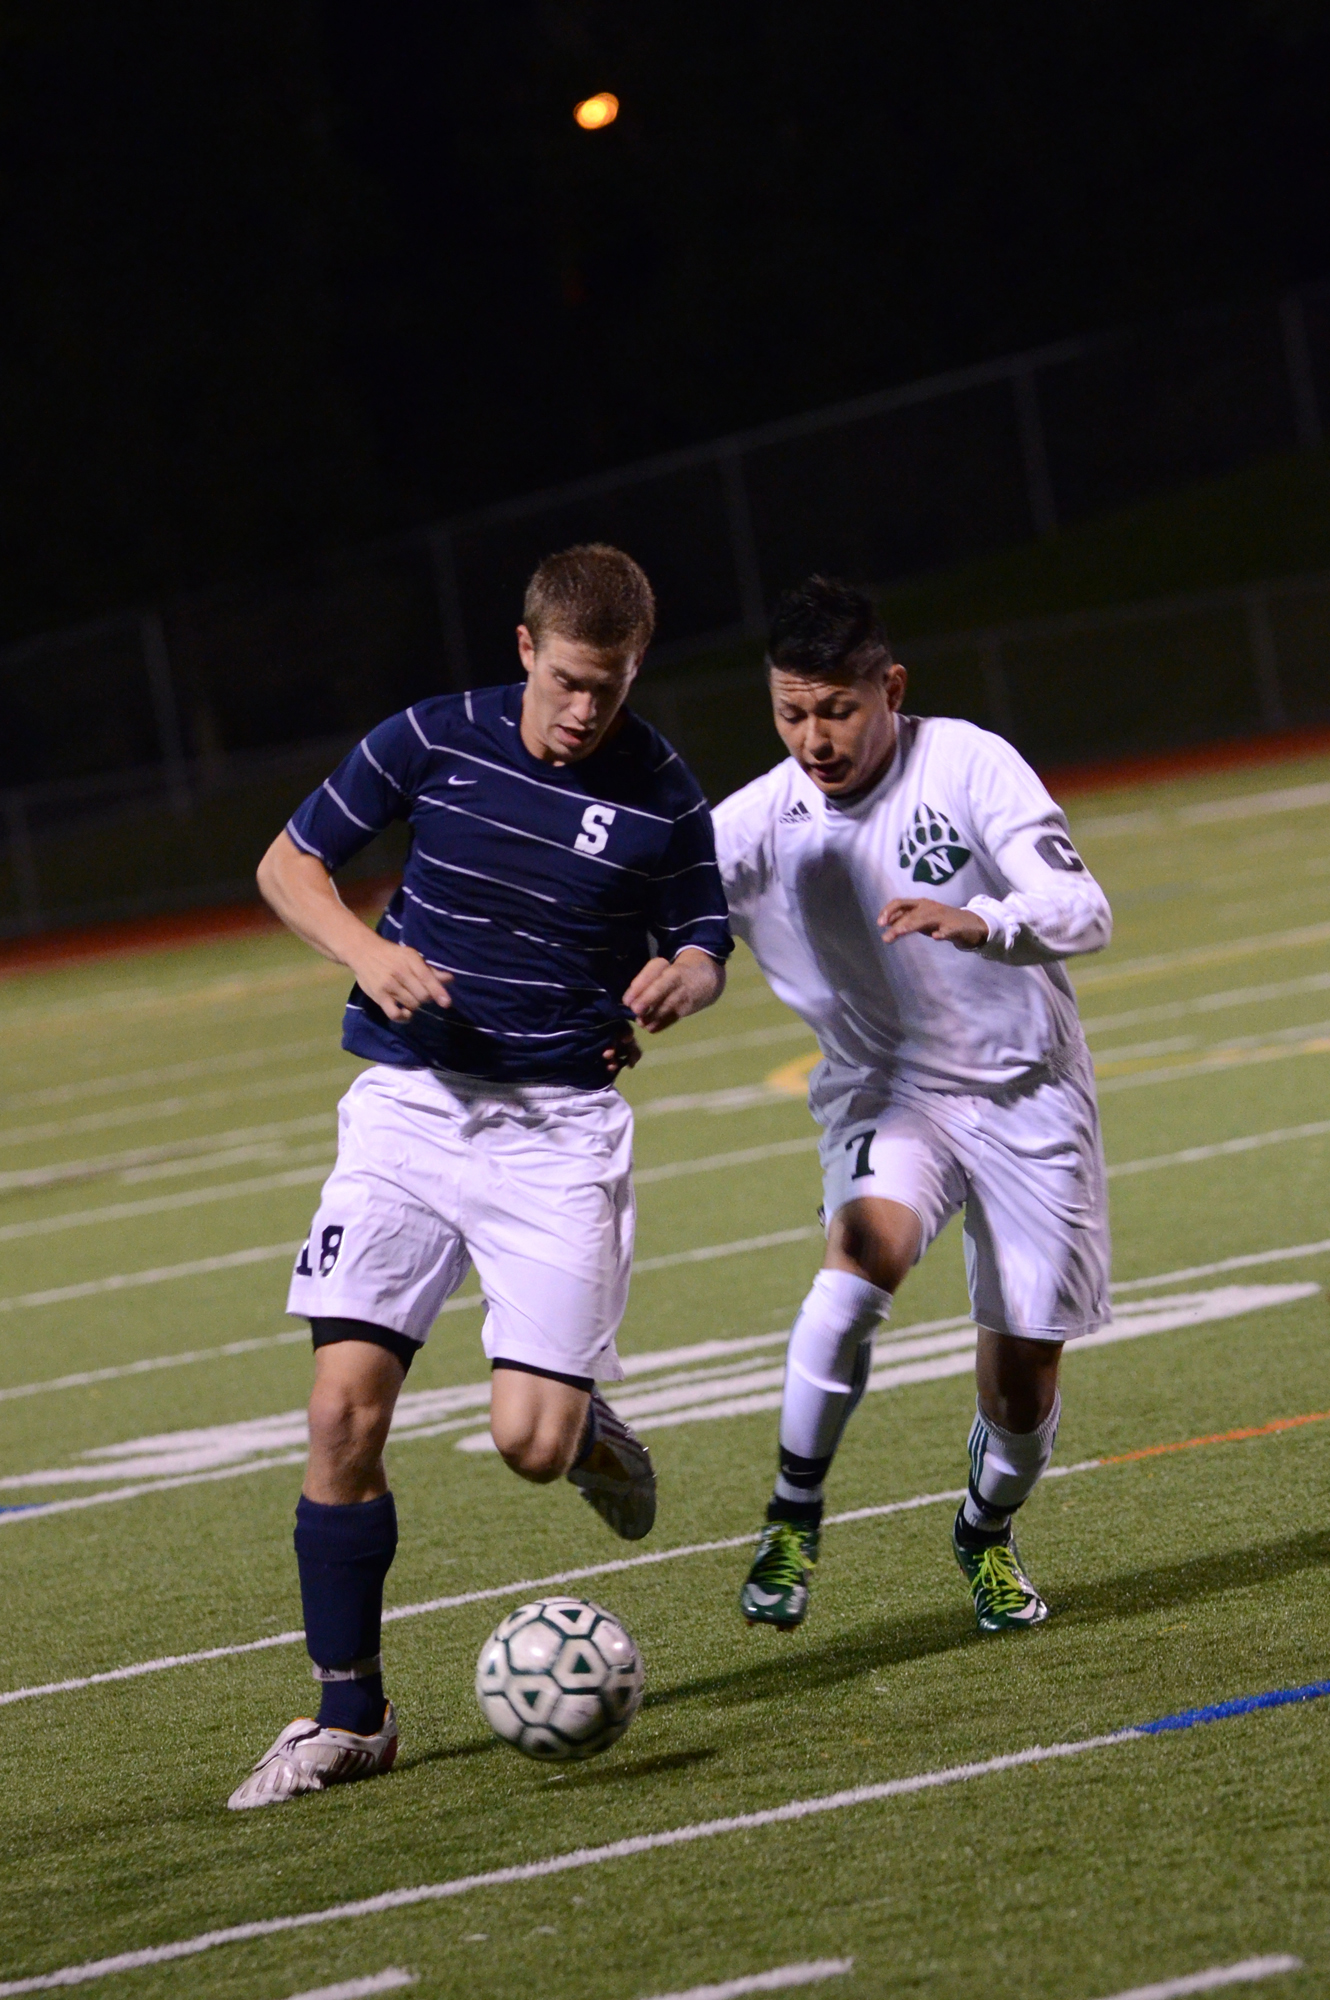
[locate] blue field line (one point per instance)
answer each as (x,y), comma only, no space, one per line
(636,1845)
(1244,1704)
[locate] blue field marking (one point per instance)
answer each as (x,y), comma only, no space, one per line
(635,1845)
(1244,1704)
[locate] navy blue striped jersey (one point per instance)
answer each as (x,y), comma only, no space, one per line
(542,888)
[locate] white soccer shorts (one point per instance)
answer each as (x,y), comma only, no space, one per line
(435,1172)
(1029,1174)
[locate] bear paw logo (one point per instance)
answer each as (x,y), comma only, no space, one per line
(931,849)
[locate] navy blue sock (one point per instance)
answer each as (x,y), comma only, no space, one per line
(344,1554)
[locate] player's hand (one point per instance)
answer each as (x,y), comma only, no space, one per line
(919,916)
(665,991)
(397,978)
(624,1053)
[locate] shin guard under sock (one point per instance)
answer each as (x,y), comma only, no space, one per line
(826,1373)
(1005,1468)
(344,1553)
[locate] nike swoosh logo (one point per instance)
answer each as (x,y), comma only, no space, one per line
(463,781)
(763,1596)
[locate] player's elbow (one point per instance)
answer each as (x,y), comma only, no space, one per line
(1099,929)
(268,872)
(280,867)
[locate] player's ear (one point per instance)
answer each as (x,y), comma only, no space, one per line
(526,648)
(896,681)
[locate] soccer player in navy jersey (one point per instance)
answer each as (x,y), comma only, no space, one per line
(560,890)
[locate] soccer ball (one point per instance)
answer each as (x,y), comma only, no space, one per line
(559,1679)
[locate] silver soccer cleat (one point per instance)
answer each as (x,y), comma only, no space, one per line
(616,1477)
(306,1758)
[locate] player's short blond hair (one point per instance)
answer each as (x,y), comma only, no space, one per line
(593,594)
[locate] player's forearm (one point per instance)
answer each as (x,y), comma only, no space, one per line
(705,974)
(298,889)
(1036,927)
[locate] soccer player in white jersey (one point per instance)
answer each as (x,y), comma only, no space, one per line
(909,887)
(560,888)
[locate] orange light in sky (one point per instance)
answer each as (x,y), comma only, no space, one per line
(595,112)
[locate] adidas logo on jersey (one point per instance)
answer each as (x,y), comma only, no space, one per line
(796,814)
(931,848)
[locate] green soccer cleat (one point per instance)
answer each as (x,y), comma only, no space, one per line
(776,1592)
(1005,1600)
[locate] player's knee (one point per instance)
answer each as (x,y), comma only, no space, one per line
(879,1239)
(345,1426)
(542,1455)
(1018,1379)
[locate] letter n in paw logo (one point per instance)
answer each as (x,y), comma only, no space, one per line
(931,848)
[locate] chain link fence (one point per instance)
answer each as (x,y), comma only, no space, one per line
(187,722)
(1171,672)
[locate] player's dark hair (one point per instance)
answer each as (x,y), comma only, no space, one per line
(827,628)
(595,595)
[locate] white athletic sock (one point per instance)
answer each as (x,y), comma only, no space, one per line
(1005,1467)
(826,1372)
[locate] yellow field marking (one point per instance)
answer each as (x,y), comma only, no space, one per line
(791,1079)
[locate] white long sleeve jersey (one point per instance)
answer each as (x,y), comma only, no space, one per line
(958,817)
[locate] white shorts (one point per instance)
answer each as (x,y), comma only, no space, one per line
(1029,1174)
(435,1172)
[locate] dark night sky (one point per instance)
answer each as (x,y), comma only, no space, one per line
(278,274)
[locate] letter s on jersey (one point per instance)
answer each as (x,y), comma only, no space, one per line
(595,823)
(1058,852)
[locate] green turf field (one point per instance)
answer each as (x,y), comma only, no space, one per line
(167,1122)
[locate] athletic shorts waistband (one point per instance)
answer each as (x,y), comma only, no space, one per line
(510,1089)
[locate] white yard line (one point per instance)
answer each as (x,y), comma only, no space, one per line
(1235,1055)
(1253,805)
(162,1204)
(148,1079)
(749,1156)
(1200,954)
(1207,812)
(89,1376)
(785,1031)
(778,1980)
(1244,1973)
(737,1387)
(721,1045)
(793,1812)
(646,1177)
(1208,1003)
(1246,1262)
(706,1252)
(741,1097)
(192,1152)
(1228,1045)
(160,1274)
(1190,1156)
(634,1364)
(175,1107)
(388,1981)
(705,1399)
(234,1259)
(239,988)
(490,1594)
